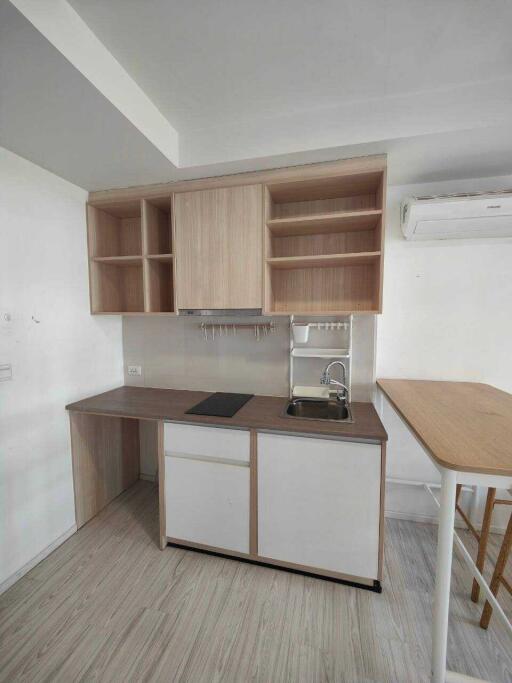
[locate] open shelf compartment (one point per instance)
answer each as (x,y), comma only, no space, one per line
(130,254)
(301,237)
(323,243)
(115,231)
(157,227)
(159,281)
(116,287)
(322,196)
(323,291)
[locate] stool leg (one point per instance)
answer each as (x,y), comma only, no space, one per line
(484,537)
(506,546)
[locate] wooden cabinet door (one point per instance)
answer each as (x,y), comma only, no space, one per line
(319,503)
(218,247)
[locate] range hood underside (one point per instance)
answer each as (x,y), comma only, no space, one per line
(220,312)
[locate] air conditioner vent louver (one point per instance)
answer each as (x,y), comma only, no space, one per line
(461,215)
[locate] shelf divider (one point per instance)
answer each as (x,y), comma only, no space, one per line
(324,260)
(119,260)
(163,258)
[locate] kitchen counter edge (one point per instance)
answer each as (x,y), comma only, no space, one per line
(262,413)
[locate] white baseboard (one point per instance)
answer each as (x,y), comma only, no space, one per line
(431,519)
(11,580)
(148,477)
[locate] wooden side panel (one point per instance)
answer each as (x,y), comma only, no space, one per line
(381,202)
(219,248)
(105,453)
(148,433)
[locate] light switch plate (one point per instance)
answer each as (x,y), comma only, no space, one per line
(134,370)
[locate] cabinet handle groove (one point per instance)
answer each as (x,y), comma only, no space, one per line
(205,458)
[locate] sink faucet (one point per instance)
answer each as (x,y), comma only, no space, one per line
(327,379)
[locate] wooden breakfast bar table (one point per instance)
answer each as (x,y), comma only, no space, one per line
(466,430)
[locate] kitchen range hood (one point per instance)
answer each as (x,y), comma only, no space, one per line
(222,312)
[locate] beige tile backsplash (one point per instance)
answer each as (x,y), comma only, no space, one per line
(174,354)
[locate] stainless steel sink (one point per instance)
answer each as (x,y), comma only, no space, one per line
(319,409)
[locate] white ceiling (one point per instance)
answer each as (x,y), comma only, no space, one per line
(50,114)
(210,63)
(259,84)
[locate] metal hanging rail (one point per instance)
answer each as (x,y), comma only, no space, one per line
(230,329)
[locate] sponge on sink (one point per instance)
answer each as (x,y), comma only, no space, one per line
(311,392)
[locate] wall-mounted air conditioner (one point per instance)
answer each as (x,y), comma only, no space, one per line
(457,216)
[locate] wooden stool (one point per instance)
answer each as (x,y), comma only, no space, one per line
(482,538)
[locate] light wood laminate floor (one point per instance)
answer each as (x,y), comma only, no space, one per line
(108,605)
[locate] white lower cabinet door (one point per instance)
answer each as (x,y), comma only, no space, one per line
(319,503)
(207,502)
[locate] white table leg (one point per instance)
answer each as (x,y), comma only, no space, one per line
(443,575)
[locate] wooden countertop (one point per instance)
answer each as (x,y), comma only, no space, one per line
(261,412)
(465,426)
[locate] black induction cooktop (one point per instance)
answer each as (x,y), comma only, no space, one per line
(220,404)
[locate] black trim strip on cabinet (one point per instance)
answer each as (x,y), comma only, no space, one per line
(375,588)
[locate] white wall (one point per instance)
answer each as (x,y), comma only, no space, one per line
(58,351)
(447,315)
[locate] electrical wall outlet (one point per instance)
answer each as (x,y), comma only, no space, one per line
(134,370)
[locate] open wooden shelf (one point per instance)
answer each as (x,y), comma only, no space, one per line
(159,283)
(116,287)
(119,260)
(323,244)
(157,227)
(163,258)
(131,259)
(116,232)
(322,189)
(324,260)
(325,223)
(325,291)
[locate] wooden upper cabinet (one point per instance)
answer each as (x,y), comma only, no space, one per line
(306,240)
(219,247)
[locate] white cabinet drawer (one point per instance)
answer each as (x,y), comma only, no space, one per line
(207,442)
(207,503)
(319,503)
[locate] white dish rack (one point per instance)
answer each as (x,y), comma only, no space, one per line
(300,337)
